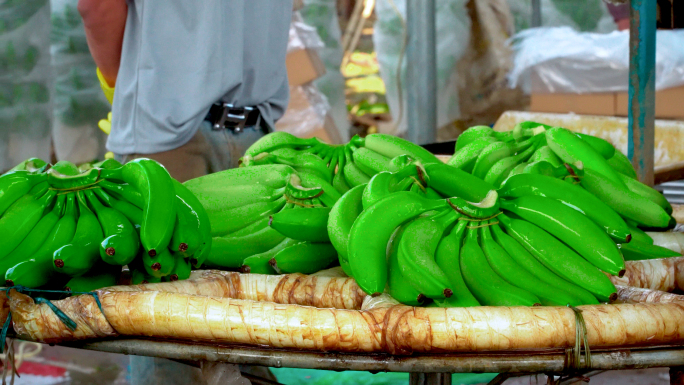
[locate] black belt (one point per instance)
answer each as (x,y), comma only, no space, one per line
(227,116)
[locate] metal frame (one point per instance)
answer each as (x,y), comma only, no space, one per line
(428,366)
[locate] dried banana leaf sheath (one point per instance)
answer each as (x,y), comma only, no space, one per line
(627,294)
(657,274)
(299,289)
(396,330)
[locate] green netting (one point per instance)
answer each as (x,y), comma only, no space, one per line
(290,376)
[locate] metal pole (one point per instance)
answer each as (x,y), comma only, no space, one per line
(421,71)
(536,13)
(429,378)
(642,46)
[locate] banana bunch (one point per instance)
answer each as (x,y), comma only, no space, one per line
(607,180)
(76,227)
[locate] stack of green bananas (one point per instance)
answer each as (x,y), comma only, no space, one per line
(270,215)
(64,227)
(532,150)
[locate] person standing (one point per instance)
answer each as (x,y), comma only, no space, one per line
(196,82)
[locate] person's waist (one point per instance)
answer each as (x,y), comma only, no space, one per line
(227,116)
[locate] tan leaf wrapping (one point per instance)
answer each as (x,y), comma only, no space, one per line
(657,274)
(38,322)
(396,330)
(298,289)
(627,294)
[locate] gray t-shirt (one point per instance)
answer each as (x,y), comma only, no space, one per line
(181,56)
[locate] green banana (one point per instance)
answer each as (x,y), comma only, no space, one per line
(79,256)
(527,129)
(519,169)
(232,251)
(287,152)
(108,164)
(647,192)
(65,167)
(20,218)
(134,214)
(570,148)
(391,146)
(471,134)
(635,251)
(125,192)
(620,163)
(385,183)
(310,163)
(38,271)
(91,282)
(304,258)
(277,140)
(352,174)
(545,153)
(16,184)
(341,218)
(339,183)
(452,182)
(30,164)
(638,235)
(229,221)
(572,196)
(466,156)
(219,199)
(204,228)
(64,182)
(372,230)
(139,277)
(487,286)
(397,284)
(121,242)
(541,167)
(473,210)
(330,194)
(526,261)
(295,190)
(416,256)
(370,162)
(273,176)
(571,227)
(601,146)
(159,212)
(35,239)
(181,270)
(259,225)
(306,224)
(161,265)
(447,258)
(260,263)
(625,202)
(518,276)
(500,170)
(186,238)
(497,151)
(559,258)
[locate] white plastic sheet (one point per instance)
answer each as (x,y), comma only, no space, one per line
(453,36)
(25,103)
(562,60)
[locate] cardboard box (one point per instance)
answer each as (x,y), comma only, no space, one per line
(588,104)
(297,5)
(303,66)
(669,103)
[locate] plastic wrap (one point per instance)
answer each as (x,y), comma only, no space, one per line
(322,14)
(562,60)
(25,105)
(453,37)
(79,103)
(302,36)
(590,16)
(306,112)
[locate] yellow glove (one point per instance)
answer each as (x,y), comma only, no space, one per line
(108,91)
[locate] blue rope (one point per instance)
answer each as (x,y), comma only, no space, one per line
(68,322)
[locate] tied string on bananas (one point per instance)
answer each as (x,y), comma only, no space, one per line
(68,322)
(62,191)
(484,225)
(470,219)
(574,354)
(576,178)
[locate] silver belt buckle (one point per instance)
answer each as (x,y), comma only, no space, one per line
(233,118)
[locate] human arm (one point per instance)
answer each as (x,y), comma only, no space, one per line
(104,22)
